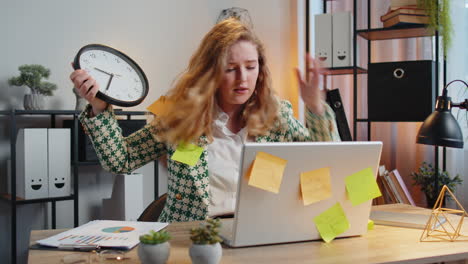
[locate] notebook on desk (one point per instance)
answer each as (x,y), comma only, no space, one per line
(263,217)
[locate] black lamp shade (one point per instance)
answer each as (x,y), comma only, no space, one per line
(441,129)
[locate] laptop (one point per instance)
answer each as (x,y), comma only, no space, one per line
(263,217)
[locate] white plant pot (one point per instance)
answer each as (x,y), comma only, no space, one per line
(34,102)
(154,254)
(206,254)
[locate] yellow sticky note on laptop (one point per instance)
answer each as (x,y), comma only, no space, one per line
(267,172)
(187,153)
(362,186)
(315,185)
(331,223)
(160,107)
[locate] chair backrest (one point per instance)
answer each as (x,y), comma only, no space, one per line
(152,212)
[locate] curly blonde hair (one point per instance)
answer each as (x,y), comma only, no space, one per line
(194,95)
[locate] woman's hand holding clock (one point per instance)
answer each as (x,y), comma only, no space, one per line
(87,87)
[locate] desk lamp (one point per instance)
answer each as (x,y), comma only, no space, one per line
(441,128)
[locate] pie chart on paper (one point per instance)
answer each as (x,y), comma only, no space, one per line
(118,229)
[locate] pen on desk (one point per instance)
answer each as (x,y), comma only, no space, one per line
(85,247)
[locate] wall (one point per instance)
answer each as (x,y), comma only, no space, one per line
(159,34)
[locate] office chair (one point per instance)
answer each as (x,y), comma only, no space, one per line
(152,212)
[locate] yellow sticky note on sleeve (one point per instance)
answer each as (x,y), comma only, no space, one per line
(370,224)
(362,186)
(160,107)
(332,222)
(315,185)
(267,172)
(187,153)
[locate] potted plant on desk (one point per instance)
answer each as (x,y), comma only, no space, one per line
(206,248)
(425,178)
(154,247)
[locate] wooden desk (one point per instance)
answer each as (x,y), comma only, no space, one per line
(384,244)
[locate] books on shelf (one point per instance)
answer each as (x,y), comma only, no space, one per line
(394,4)
(393,188)
(403,11)
(405,19)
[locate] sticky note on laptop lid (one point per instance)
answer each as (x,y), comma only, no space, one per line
(332,222)
(315,185)
(362,186)
(267,172)
(160,107)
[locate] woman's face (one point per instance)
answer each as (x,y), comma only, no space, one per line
(239,77)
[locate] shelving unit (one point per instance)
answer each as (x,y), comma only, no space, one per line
(374,34)
(15,201)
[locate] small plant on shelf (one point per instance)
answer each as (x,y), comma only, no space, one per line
(439,19)
(31,76)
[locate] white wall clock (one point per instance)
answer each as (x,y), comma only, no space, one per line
(121,81)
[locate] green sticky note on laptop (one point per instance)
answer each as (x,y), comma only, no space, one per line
(332,222)
(187,153)
(362,186)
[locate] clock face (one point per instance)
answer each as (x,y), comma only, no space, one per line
(121,81)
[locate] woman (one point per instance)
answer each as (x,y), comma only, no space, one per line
(223,99)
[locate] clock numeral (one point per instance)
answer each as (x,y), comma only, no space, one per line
(117,60)
(136,80)
(86,61)
(130,96)
(104,55)
(92,55)
(129,69)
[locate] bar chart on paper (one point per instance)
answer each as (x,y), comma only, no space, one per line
(104,233)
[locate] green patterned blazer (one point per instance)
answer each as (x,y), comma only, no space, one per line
(188,195)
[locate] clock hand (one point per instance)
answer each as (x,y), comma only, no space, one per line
(102,71)
(108,73)
(109,82)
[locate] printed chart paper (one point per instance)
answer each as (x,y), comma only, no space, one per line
(104,233)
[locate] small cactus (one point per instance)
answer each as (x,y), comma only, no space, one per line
(155,237)
(207,233)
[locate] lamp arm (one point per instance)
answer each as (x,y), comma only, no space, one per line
(462,105)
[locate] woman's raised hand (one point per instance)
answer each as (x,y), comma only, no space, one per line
(87,87)
(309,85)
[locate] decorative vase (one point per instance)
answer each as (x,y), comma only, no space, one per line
(154,253)
(206,254)
(34,102)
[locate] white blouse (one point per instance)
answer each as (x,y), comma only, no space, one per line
(224,154)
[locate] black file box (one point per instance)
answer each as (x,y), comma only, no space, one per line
(86,150)
(401,91)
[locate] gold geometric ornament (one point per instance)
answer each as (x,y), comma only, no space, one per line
(439,227)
